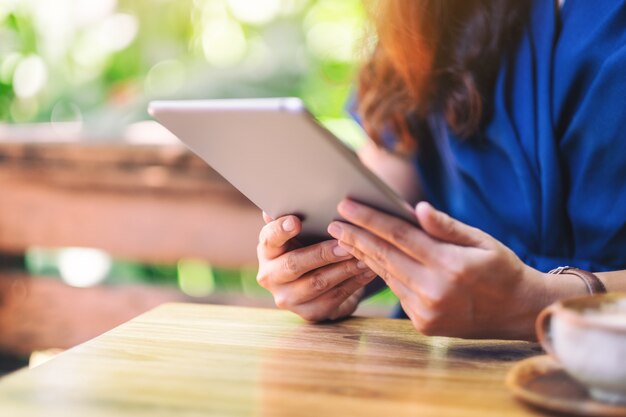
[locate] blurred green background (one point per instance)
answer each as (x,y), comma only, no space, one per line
(98,62)
(101,61)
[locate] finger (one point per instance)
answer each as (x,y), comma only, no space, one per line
(294,264)
(401,285)
(390,262)
(344,290)
(443,227)
(348,306)
(414,302)
(275,235)
(266,218)
(406,237)
(324,307)
(319,281)
(420,315)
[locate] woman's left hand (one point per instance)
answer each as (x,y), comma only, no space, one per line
(451,279)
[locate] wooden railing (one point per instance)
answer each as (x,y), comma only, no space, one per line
(140,202)
(148,203)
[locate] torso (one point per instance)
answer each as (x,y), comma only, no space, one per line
(547,175)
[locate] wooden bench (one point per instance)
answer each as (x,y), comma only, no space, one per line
(143,202)
(149,203)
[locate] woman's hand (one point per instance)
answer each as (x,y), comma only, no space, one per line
(318,282)
(451,279)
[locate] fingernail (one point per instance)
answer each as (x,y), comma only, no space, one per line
(348,207)
(425,206)
(361,265)
(340,252)
(334,229)
(289,225)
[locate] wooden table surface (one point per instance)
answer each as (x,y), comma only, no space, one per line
(199,360)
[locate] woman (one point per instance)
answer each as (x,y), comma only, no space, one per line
(506,116)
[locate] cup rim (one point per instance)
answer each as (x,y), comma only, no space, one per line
(569,309)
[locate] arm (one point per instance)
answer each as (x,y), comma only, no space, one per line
(559,287)
(453,279)
(613,281)
(399,173)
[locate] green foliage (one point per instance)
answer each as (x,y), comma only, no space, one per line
(104,57)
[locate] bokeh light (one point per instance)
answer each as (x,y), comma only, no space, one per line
(30,77)
(195,278)
(255,12)
(116,32)
(165,78)
(86,13)
(332,31)
(66,117)
(83,267)
(223,42)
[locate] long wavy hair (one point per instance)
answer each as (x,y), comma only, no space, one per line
(435,56)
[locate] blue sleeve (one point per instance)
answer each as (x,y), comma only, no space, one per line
(388,138)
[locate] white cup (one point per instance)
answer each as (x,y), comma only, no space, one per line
(588,337)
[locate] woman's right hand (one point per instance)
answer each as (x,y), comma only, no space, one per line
(318,282)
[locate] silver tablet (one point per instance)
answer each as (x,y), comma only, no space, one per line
(280,157)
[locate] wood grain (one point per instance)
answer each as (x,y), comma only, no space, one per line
(191,360)
(39,313)
(141,202)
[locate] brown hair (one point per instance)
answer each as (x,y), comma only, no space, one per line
(435,56)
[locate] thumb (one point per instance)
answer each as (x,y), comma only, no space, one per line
(443,227)
(267,218)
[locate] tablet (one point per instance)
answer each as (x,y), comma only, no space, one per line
(280,157)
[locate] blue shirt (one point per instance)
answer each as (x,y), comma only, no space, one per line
(547,174)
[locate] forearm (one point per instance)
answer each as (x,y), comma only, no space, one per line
(613,281)
(556,287)
(397,172)
(563,286)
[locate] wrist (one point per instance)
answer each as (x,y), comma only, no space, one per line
(562,286)
(610,279)
(539,291)
(556,287)
(534,294)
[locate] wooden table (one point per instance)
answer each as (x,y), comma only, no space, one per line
(191,360)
